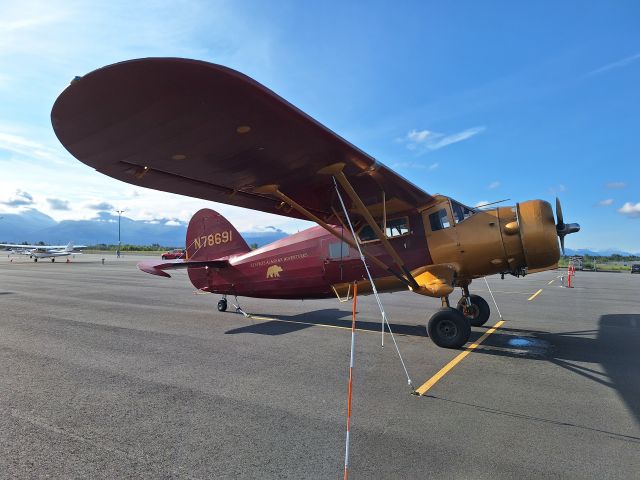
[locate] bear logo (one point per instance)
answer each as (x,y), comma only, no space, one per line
(274,271)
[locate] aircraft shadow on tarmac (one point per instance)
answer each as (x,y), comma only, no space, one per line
(330,316)
(615,347)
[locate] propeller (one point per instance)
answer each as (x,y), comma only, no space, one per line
(562,228)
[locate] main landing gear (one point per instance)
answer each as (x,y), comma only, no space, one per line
(448,328)
(53,259)
(451,327)
(474,307)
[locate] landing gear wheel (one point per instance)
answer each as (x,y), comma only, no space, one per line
(478,313)
(35,259)
(164,257)
(222,305)
(53,260)
(448,328)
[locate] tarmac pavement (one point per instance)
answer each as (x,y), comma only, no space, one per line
(106,372)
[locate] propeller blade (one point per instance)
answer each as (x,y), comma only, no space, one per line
(559,214)
(562,243)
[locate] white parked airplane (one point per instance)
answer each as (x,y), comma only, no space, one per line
(43,251)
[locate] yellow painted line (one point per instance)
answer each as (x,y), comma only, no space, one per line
(535,295)
(424,388)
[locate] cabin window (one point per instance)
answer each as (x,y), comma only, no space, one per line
(460,212)
(338,250)
(439,220)
(366,234)
(397,227)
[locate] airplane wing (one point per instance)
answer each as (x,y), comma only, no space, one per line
(203,130)
(39,247)
(155,268)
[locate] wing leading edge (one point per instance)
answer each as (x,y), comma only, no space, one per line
(203,130)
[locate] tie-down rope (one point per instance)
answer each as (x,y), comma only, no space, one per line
(385,321)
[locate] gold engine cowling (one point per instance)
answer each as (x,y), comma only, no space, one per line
(529,235)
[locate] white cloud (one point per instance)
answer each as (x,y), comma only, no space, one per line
(616,185)
(555,190)
(482,203)
(618,64)
(25,147)
(493,185)
(425,140)
(44,44)
(434,166)
(172,223)
(419,136)
(630,209)
(20,199)
(605,203)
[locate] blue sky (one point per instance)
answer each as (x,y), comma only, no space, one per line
(477,100)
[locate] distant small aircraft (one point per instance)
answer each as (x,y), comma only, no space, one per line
(207,131)
(43,251)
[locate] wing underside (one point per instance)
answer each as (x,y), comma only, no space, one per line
(206,131)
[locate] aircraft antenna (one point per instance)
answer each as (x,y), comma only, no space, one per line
(492,203)
(373,287)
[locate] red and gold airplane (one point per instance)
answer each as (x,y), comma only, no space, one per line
(206,131)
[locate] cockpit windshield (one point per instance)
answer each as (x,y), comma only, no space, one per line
(461,212)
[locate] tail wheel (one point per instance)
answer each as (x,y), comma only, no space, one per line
(448,328)
(222,305)
(478,313)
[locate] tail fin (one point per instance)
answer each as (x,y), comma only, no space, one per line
(210,236)
(69,247)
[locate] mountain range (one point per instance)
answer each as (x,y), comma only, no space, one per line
(33,226)
(598,253)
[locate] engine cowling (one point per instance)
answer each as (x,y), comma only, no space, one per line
(537,230)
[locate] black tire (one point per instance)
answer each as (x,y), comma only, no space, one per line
(222,305)
(35,259)
(53,260)
(448,328)
(480,310)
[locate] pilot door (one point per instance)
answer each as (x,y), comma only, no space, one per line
(442,237)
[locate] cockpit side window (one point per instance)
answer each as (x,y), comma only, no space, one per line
(439,220)
(396,227)
(460,212)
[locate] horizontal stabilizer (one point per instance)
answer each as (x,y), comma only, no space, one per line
(159,268)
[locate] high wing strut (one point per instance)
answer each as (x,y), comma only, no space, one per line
(275,191)
(338,174)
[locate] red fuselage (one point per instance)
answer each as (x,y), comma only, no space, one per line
(307,264)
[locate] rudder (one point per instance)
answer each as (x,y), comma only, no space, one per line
(211,236)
